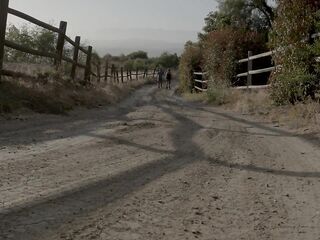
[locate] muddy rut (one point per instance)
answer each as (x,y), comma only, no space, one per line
(156,167)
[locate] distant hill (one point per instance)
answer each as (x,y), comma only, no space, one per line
(153,41)
(153,47)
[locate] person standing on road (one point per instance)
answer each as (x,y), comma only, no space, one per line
(168,78)
(160,77)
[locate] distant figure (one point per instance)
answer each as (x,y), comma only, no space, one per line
(168,78)
(160,77)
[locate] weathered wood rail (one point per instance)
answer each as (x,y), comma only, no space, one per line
(58,56)
(249,60)
(250,71)
(199,83)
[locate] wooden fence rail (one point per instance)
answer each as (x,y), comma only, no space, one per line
(250,72)
(200,84)
(58,56)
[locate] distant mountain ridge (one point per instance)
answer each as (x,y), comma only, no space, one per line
(125,46)
(153,41)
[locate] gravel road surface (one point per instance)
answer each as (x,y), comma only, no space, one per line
(156,167)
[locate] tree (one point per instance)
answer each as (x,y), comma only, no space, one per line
(296,78)
(223,48)
(23,37)
(44,40)
(256,15)
(264,8)
(168,60)
(138,55)
(95,58)
(191,59)
(139,64)
(36,38)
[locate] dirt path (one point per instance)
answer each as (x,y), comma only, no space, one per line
(156,167)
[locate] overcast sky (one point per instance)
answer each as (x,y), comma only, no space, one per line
(124,25)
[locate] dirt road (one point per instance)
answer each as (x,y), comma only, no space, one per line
(156,167)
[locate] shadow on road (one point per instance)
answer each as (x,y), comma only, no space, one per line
(56,211)
(63,207)
(253,168)
(270,131)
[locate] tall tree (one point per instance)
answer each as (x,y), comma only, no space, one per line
(265,8)
(247,14)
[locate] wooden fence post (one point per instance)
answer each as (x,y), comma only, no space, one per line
(99,71)
(60,43)
(121,74)
(4,5)
(75,57)
(87,72)
(202,83)
(193,82)
(115,75)
(118,81)
(154,72)
(112,73)
(130,75)
(106,72)
(137,74)
(146,76)
(250,65)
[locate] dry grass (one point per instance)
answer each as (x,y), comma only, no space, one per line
(258,103)
(301,116)
(58,96)
(249,102)
(199,97)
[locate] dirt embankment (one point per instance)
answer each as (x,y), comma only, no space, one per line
(157,167)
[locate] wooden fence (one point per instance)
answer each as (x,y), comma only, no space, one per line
(249,60)
(199,82)
(250,71)
(110,72)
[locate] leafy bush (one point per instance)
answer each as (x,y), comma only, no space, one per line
(138,55)
(294,85)
(255,15)
(190,60)
(229,32)
(32,37)
(218,94)
(295,80)
(140,60)
(222,50)
(168,60)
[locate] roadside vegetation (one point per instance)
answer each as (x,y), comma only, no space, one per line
(238,26)
(44,89)
(44,40)
(58,96)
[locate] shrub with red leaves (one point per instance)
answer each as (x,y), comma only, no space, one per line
(224,47)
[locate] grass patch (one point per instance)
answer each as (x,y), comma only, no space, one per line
(59,97)
(218,95)
(258,103)
(14,96)
(192,97)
